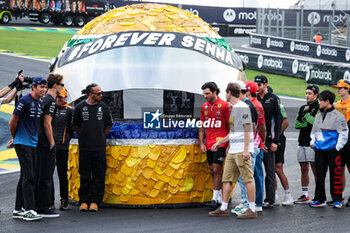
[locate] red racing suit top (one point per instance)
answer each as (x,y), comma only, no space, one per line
(219,111)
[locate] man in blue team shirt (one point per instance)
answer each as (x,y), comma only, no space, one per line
(23,127)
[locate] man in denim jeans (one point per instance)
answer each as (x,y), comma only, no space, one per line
(258,120)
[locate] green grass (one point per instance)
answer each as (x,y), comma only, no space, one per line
(285,85)
(36,43)
(50,43)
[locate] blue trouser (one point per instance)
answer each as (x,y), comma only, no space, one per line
(259,178)
(242,185)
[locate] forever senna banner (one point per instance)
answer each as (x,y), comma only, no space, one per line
(151,39)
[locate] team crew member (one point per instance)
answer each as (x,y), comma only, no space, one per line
(46,148)
(23,127)
(12,86)
(92,121)
(306,155)
(343,106)
(270,103)
(279,160)
(244,204)
(238,159)
(328,136)
(63,134)
(259,139)
(218,110)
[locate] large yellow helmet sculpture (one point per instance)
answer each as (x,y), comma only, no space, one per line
(151,61)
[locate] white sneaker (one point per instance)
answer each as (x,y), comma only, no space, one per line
(237,209)
(288,200)
(276,201)
(31,215)
(258,208)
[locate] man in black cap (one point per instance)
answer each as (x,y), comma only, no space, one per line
(271,105)
(306,155)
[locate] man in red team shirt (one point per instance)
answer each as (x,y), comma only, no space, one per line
(259,140)
(215,109)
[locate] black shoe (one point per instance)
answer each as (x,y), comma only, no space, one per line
(330,203)
(348,203)
(267,205)
(48,213)
(214,204)
(52,207)
(64,204)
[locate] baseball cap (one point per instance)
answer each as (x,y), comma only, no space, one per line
(39,80)
(313,88)
(342,83)
(260,79)
(241,84)
(63,93)
(251,86)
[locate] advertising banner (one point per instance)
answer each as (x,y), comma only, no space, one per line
(327,74)
(311,71)
(301,48)
(276,64)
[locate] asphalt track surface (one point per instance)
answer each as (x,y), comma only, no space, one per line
(297,218)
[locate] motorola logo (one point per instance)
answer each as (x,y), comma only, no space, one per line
(346,75)
(268,42)
(295,66)
(260,61)
(318,50)
(315,17)
(292,46)
(229,15)
(347,55)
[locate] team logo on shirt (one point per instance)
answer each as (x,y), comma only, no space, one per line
(85,108)
(205,112)
(219,105)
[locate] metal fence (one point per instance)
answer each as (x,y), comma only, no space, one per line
(303,24)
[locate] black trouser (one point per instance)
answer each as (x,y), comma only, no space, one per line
(92,169)
(269,164)
(45,168)
(26,184)
(323,159)
(62,163)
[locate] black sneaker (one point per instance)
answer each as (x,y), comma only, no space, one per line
(330,203)
(64,204)
(214,204)
(267,205)
(348,203)
(48,213)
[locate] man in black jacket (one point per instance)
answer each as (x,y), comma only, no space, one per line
(92,121)
(46,149)
(271,105)
(63,134)
(306,155)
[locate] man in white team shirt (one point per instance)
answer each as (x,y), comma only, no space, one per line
(238,159)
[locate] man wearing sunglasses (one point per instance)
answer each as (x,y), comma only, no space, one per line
(343,106)
(46,149)
(92,121)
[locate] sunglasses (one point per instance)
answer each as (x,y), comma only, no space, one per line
(98,93)
(61,84)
